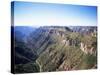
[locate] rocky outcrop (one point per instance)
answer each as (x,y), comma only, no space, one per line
(66,42)
(86,49)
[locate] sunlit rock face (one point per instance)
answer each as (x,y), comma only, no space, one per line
(87,49)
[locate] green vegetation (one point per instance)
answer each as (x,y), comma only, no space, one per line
(27,68)
(57,49)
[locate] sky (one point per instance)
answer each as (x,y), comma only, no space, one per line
(40,14)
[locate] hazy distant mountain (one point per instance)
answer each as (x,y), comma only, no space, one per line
(83,29)
(21,32)
(25,30)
